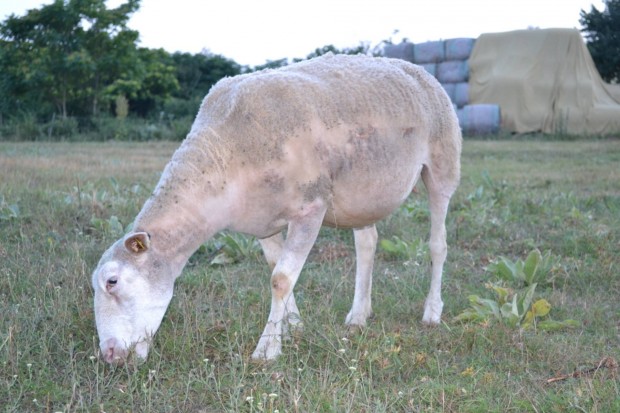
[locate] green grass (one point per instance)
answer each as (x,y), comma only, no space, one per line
(62,205)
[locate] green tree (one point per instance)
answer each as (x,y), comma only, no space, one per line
(65,53)
(47,57)
(153,83)
(602,31)
(273,64)
(320,51)
(360,49)
(196,73)
(21,81)
(111,45)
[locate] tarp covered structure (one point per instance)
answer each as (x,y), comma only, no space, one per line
(543,80)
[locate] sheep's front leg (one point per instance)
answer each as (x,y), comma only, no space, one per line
(365,246)
(301,234)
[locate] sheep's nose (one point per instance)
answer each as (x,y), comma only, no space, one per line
(112,353)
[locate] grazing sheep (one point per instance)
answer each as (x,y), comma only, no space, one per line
(337,140)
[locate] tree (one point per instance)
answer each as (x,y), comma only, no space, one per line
(65,53)
(153,82)
(197,73)
(274,64)
(602,31)
(111,45)
(360,49)
(45,53)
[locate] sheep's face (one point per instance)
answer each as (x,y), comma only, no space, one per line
(132,291)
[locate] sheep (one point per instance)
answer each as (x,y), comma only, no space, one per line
(337,140)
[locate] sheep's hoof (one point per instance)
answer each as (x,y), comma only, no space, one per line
(432,312)
(268,348)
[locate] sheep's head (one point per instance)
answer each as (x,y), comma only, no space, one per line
(133,287)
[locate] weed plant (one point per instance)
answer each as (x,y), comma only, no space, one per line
(62,205)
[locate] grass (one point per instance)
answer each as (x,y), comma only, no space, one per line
(62,205)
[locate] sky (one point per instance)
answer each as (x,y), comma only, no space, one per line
(252,32)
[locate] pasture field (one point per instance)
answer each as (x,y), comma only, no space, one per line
(62,205)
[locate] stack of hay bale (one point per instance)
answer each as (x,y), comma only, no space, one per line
(447,60)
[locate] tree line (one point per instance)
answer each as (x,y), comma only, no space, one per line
(74,62)
(73,65)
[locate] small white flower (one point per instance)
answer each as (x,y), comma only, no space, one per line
(249,399)
(344,339)
(353,368)
(273,395)
(206,361)
(92,358)
(29,365)
(342,351)
(400,394)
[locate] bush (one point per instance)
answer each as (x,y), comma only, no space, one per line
(23,128)
(181,108)
(103,128)
(136,129)
(59,128)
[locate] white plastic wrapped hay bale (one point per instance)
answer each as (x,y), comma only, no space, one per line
(461,94)
(430,68)
(429,52)
(450,89)
(482,119)
(402,50)
(454,71)
(459,48)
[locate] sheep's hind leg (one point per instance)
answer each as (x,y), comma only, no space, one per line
(272,248)
(438,201)
(301,234)
(365,246)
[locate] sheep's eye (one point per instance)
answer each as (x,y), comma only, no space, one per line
(110,283)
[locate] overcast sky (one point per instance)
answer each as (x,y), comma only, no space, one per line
(254,31)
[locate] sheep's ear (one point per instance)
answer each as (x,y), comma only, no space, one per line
(137,242)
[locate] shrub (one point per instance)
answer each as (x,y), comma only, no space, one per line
(234,247)
(534,270)
(121,107)
(513,309)
(60,128)
(21,128)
